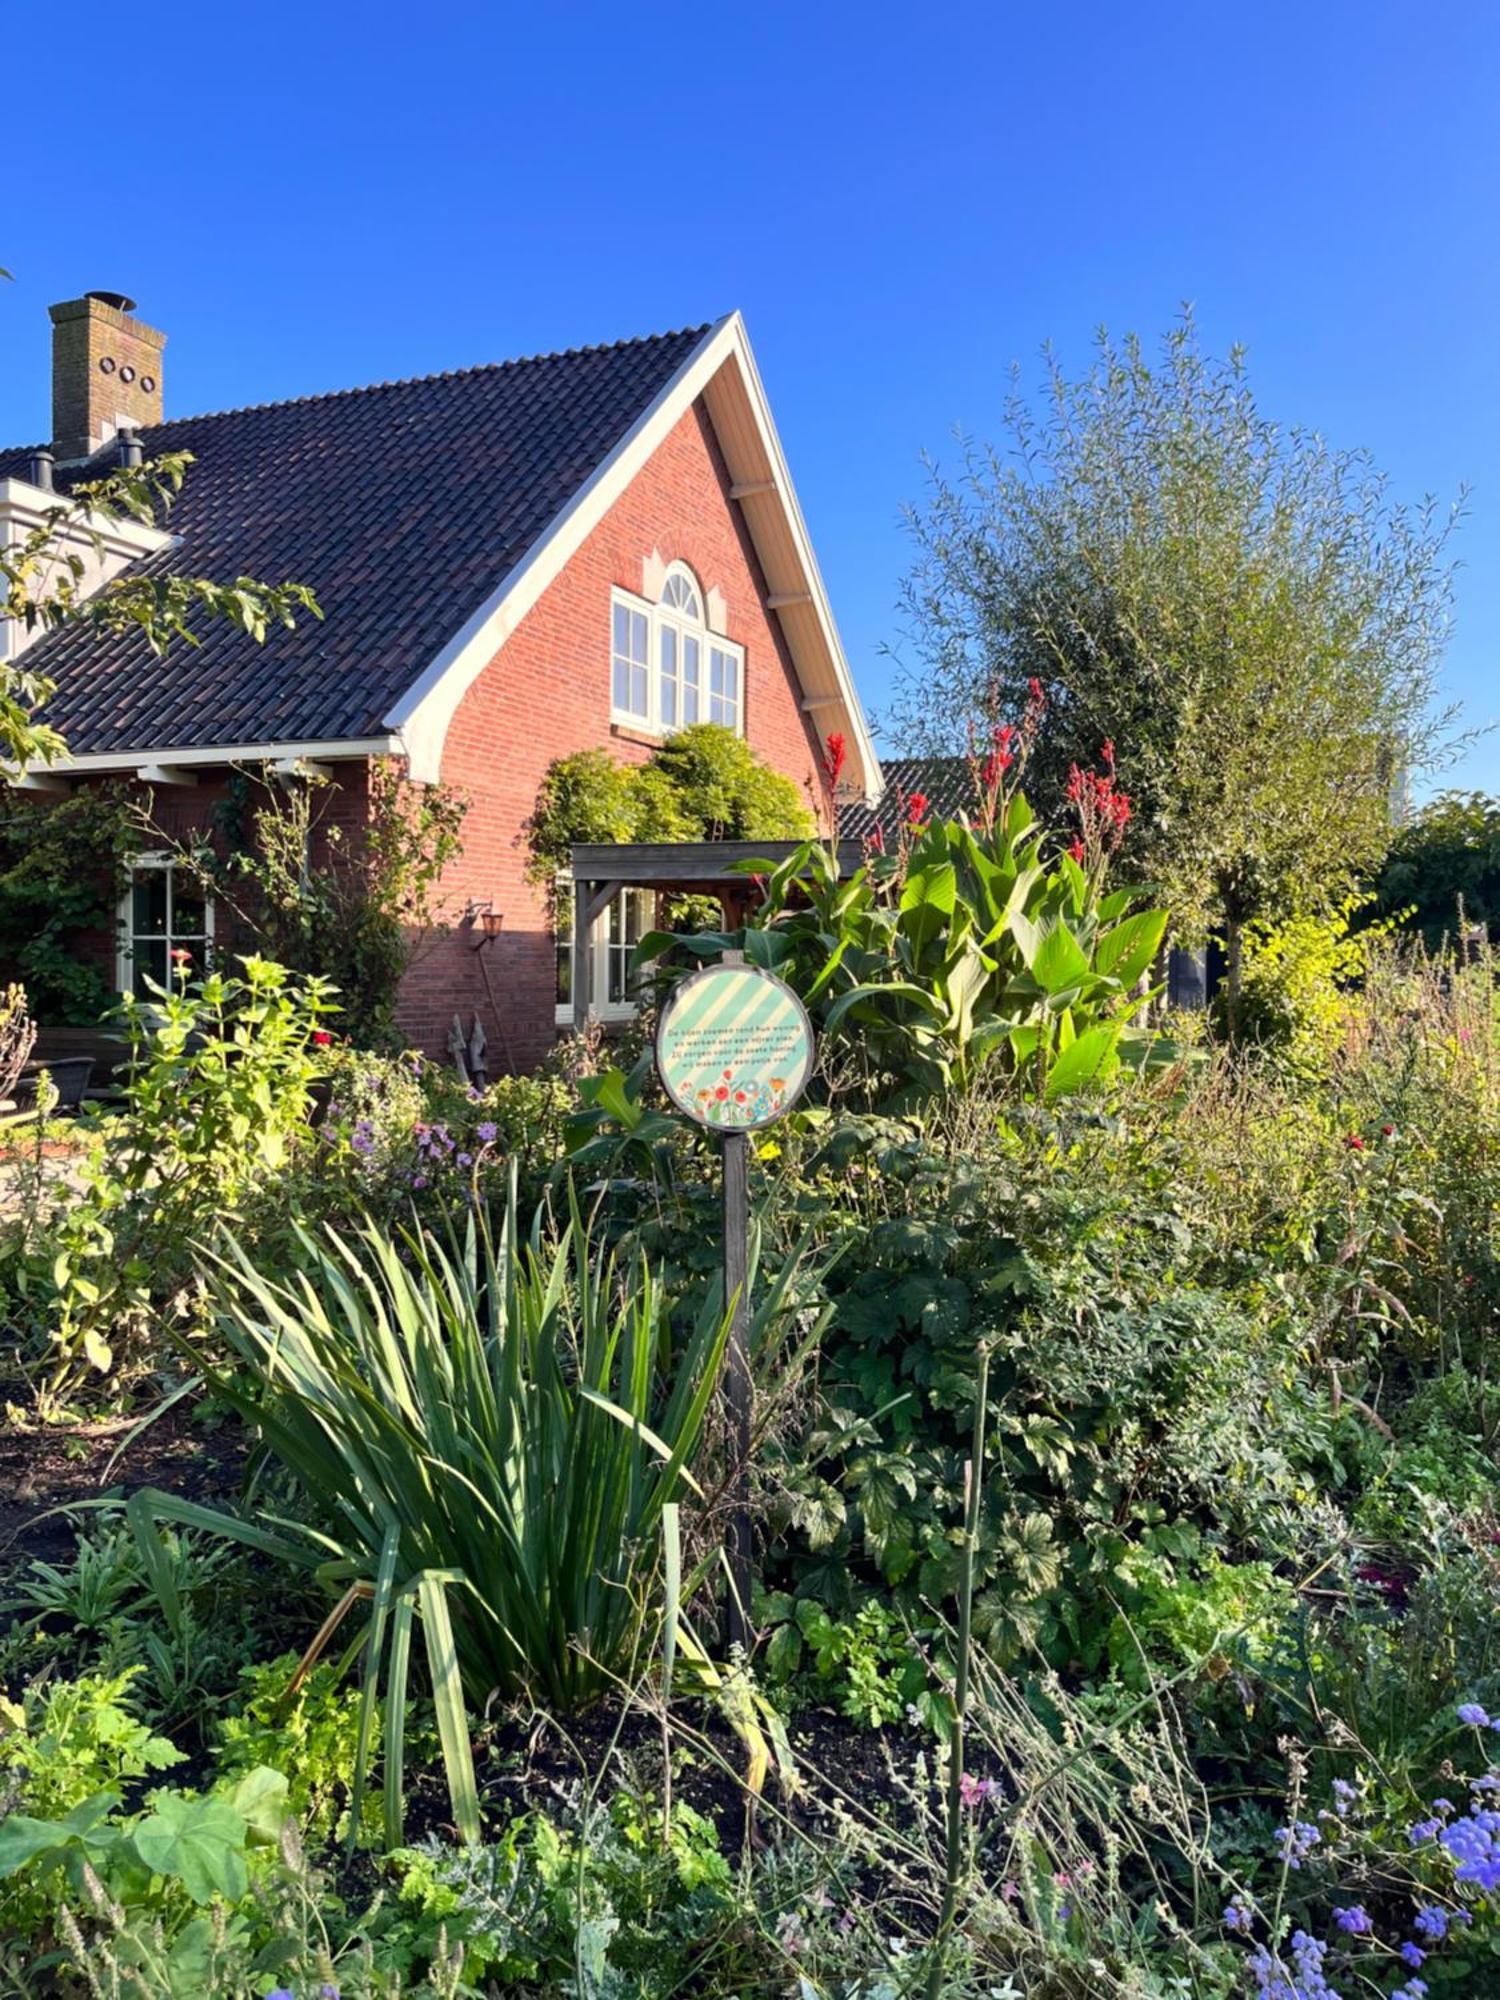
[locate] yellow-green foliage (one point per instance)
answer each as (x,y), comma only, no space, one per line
(704,783)
(1299,973)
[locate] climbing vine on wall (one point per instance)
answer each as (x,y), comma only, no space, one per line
(61,873)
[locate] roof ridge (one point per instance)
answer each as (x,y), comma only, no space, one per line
(440,375)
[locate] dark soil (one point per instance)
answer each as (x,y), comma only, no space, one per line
(46,1469)
(523,1760)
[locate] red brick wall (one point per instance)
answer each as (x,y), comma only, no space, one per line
(547,692)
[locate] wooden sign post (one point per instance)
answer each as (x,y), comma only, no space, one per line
(734,1050)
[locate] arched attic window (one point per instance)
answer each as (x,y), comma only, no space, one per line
(668,669)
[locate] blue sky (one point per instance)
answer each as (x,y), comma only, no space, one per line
(903,200)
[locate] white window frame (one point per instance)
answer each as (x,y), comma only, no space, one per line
(125,929)
(601,1007)
(662,619)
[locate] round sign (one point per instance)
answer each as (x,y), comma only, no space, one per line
(734,1047)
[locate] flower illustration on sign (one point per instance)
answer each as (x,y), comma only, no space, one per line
(740,1099)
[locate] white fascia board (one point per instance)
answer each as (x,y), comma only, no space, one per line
(864,742)
(103,762)
(424,712)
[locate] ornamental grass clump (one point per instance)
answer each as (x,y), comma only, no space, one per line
(485,1435)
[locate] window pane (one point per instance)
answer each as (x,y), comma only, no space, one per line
(148,902)
(187,909)
(691,671)
(150,963)
(628,677)
(563,940)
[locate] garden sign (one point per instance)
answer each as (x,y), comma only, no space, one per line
(734,1049)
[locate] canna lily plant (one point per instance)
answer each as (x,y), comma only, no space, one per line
(965,947)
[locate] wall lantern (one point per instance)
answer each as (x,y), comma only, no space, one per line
(487,919)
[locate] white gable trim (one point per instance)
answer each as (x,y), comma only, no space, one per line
(722,369)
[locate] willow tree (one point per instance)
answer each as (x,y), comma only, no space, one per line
(1241,609)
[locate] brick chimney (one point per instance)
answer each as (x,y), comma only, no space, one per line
(106,372)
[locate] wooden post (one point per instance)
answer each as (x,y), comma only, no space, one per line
(583,954)
(739,1543)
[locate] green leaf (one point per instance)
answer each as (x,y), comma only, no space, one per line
(1060,964)
(197,1842)
(1086,1062)
(927,902)
(1130,948)
(260,1799)
(448,1699)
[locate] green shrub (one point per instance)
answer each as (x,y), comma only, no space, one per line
(217,1096)
(310,1731)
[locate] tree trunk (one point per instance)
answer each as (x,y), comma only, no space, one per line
(1234,948)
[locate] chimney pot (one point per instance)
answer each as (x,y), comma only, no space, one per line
(39,471)
(106,373)
(130,447)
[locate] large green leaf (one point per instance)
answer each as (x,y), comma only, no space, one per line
(1087,1061)
(1060,965)
(197,1842)
(927,902)
(1131,947)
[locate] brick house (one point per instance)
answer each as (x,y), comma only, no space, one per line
(514,562)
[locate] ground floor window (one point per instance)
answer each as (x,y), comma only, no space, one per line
(162,912)
(619,930)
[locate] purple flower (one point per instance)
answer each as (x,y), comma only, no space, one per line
(419,1180)
(1474,1843)
(1471,1713)
(362,1138)
(1431,1922)
(1355,1920)
(1423,1829)
(281,1993)
(1413,1954)
(1237,1917)
(1414,1989)
(464,1160)
(487,1132)
(1344,1795)
(1296,1842)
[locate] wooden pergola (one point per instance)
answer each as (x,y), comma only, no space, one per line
(685,868)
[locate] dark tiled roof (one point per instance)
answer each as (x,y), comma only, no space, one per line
(947,783)
(402,505)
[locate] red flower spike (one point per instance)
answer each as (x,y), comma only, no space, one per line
(1078,853)
(916,808)
(837,753)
